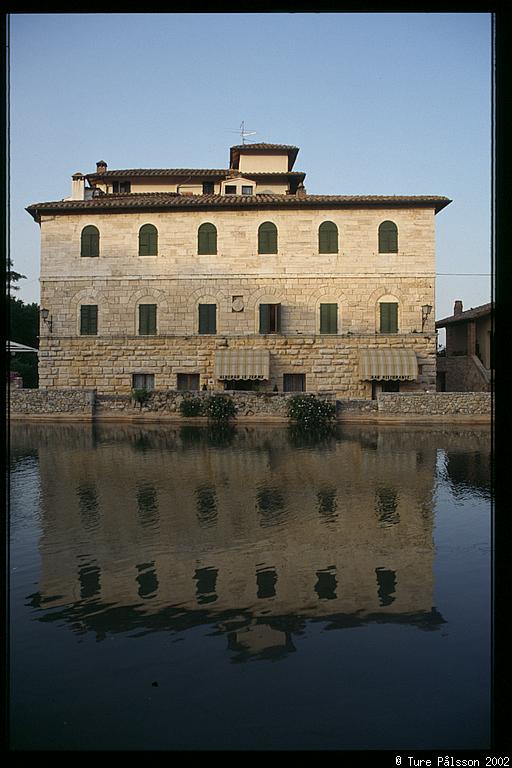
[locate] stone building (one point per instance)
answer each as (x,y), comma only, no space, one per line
(235,278)
(466,365)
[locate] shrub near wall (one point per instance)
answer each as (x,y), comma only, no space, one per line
(309,411)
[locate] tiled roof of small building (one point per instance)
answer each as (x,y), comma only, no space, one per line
(220,173)
(468,314)
(263,145)
(173,200)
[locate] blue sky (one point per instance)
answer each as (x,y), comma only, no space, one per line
(393,103)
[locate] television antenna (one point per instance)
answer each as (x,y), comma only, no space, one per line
(243,132)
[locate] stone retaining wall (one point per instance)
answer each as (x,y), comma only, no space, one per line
(435,403)
(52,401)
(86,403)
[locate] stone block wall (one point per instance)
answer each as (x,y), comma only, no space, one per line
(435,403)
(79,402)
(331,363)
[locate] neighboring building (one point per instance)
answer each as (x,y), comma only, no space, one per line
(466,365)
(235,278)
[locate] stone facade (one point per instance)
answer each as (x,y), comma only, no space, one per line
(357,278)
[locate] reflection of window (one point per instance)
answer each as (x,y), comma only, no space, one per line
(327,501)
(88,504)
(270,318)
(147,580)
(89,578)
(386,581)
(270,505)
(206,579)
(147,504)
(188,381)
(266,581)
(206,506)
(386,503)
(326,584)
(294,382)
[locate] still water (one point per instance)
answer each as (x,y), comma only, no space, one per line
(248,588)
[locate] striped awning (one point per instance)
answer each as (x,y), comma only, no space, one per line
(242,364)
(388,364)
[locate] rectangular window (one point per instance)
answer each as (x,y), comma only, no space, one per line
(294,382)
(246,190)
(270,318)
(207,318)
(388,317)
(188,381)
(147,319)
(143,381)
(121,187)
(328,318)
(208,188)
(88,320)
(230,189)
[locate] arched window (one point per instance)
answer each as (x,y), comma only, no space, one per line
(90,241)
(148,240)
(267,238)
(328,237)
(388,237)
(207,239)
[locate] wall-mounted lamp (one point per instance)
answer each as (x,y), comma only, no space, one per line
(425,312)
(47,318)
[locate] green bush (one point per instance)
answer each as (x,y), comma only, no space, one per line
(219,408)
(310,411)
(140,396)
(191,406)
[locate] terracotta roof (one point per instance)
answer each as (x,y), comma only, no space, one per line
(171,200)
(263,146)
(217,172)
(468,314)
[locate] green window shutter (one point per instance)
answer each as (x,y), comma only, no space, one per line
(147,319)
(388,317)
(148,240)
(207,240)
(270,318)
(90,242)
(328,237)
(328,318)
(267,238)
(388,237)
(207,318)
(88,319)
(264,318)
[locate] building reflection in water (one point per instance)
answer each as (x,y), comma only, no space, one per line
(165,530)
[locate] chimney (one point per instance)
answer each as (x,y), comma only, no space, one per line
(101,166)
(301,192)
(457,307)
(78,186)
